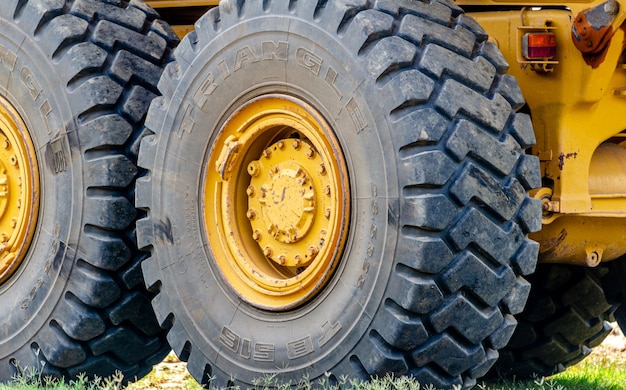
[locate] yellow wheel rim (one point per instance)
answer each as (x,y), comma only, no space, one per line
(19,190)
(276,202)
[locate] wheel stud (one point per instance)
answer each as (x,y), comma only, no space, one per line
(250,191)
(313,251)
(254,168)
(251,214)
(256,235)
(296,144)
(268,252)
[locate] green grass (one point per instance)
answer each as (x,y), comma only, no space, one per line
(597,373)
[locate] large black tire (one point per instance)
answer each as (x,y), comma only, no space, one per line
(422,117)
(81,75)
(567,315)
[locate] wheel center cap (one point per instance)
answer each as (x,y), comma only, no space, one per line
(287,202)
(282,201)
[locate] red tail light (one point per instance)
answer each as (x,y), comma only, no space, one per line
(539,46)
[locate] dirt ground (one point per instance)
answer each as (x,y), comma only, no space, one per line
(172,374)
(614,344)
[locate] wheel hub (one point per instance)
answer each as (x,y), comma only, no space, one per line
(277,190)
(282,212)
(19,190)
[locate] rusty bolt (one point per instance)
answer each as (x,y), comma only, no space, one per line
(327,213)
(322,170)
(281,145)
(282,259)
(296,144)
(298,259)
(256,235)
(327,190)
(6,144)
(268,251)
(551,206)
(254,168)
(251,214)
(313,251)
(267,153)
(310,153)
(593,259)
(250,191)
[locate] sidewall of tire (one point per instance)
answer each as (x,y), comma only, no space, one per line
(318,336)
(31,294)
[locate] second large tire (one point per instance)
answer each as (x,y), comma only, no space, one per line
(338,188)
(566,316)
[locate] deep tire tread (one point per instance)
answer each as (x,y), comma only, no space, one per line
(569,316)
(452,127)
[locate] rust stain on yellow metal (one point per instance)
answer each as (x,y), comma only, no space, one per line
(592,31)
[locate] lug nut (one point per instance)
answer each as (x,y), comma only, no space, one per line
(268,251)
(254,168)
(296,144)
(250,190)
(251,214)
(256,235)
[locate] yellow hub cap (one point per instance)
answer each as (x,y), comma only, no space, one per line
(19,190)
(276,202)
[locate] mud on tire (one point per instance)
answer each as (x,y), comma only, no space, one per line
(77,77)
(413,101)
